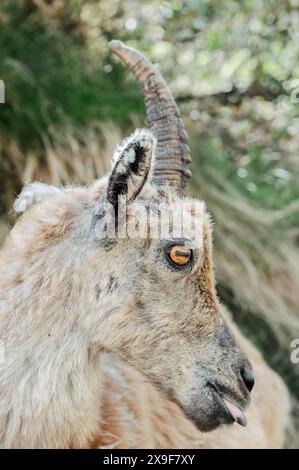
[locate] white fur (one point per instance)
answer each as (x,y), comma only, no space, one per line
(32,194)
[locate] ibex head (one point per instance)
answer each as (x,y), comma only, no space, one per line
(149,299)
(171,327)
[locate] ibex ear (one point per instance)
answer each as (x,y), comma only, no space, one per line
(132,166)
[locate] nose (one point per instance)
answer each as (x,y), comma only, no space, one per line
(248,378)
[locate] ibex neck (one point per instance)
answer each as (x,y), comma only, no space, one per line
(50,398)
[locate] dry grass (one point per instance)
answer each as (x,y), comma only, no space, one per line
(256,259)
(4,228)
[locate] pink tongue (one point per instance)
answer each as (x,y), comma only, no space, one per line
(237,414)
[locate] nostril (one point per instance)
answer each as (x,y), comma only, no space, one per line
(248,378)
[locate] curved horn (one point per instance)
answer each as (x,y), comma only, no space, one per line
(172,153)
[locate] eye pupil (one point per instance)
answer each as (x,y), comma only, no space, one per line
(180,255)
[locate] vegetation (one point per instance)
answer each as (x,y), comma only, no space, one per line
(234,69)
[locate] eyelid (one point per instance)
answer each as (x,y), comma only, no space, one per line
(181,242)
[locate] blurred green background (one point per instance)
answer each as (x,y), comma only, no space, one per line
(234,70)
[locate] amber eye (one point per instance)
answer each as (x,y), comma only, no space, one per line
(180,255)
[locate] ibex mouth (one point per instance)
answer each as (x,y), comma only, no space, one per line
(234,413)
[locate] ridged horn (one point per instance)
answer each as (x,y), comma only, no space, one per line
(172,153)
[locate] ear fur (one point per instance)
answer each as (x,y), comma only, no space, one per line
(34,193)
(132,166)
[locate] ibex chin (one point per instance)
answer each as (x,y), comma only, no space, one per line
(83,313)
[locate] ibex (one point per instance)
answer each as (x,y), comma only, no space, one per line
(107,337)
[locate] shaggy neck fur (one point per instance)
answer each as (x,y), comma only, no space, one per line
(52,403)
(50,380)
